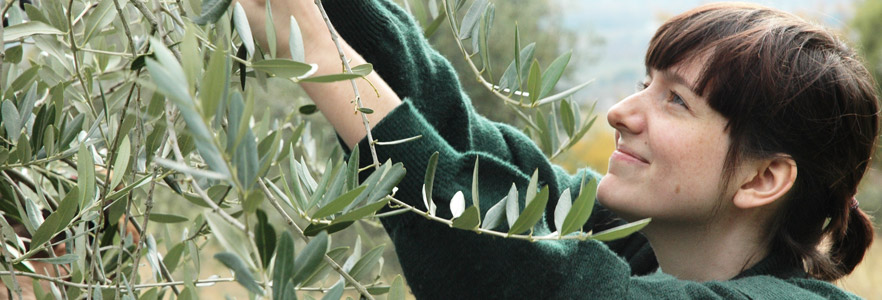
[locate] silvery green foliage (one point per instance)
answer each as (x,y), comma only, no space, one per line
(138,135)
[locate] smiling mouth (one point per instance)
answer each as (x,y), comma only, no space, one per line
(625,153)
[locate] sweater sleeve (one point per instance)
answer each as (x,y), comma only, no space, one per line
(436,109)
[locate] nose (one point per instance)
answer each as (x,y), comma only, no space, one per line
(628,116)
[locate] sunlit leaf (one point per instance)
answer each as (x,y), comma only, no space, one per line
(512,207)
(562,209)
(457,204)
(295,41)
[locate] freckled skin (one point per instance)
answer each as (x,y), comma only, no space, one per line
(684,150)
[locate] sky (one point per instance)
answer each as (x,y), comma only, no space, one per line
(626,27)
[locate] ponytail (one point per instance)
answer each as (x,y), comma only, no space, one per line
(850,245)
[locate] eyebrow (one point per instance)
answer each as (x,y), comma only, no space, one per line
(676,78)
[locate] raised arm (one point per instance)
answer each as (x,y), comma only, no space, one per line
(335,100)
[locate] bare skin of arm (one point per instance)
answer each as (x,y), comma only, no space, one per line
(335,100)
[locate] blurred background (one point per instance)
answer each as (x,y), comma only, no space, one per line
(608,39)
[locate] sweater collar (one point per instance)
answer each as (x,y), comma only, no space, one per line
(777,265)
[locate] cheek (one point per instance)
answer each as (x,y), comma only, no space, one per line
(690,163)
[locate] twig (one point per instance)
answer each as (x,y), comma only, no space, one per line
(155,25)
(180,157)
(367,125)
(6,255)
(527,237)
(125,23)
(275,202)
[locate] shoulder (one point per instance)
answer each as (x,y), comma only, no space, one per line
(770,287)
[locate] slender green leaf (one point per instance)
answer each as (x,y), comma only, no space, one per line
(213,86)
(60,260)
(566,117)
(339,203)
(532,187)
(510,78)
(397,291)
(552,75)
(457,204)
(310,259)
(295,41)
(512,207)
(120,166)
(264,238)
(243,275)
(284,68)
(564,94)
(475,197)
(352,172)
(495,215)
(11,120)
(58,220)
(582,207)
(564,203)
(284,267)
(336,292)
(173,257)
(167,218)
(532,213)
(468,220)
(212,10)
(365,265)
(270,30)
(429,181)
(472,16)
(85,175)
(27,29)
(331,78)
(534,81)
(620,231)
(229,237)
(361,212)
(98,19)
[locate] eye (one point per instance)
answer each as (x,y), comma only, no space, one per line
(641,85)
(677,100)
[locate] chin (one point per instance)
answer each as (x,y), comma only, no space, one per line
(613,199)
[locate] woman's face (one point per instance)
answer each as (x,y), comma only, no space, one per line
(670,151)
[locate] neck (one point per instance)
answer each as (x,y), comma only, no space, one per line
(707,252)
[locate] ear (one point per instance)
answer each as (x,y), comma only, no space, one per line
(770,180)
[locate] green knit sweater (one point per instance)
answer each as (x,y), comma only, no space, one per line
(440,262)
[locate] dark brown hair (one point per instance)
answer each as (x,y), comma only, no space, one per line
(787,87)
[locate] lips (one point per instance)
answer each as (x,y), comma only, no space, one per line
(625,153)
(630,155)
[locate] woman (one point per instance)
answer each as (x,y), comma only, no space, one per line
(745,146)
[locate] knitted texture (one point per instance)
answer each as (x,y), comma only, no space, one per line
(440,262)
